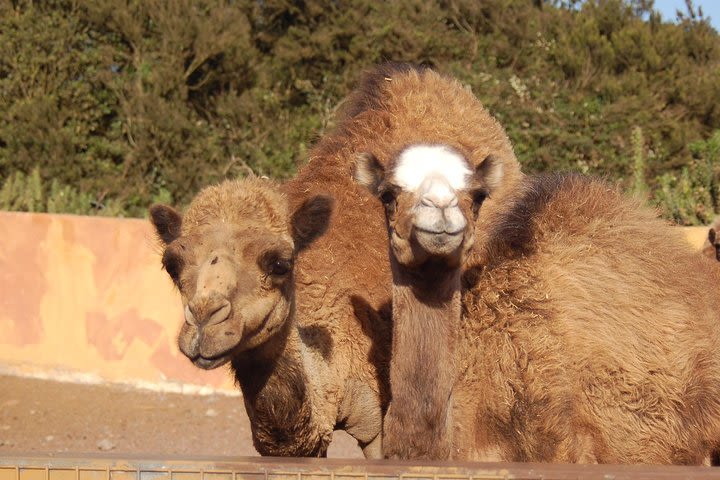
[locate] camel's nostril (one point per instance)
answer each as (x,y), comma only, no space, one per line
(189,317)
(439,201)
(219,314)
(207,310)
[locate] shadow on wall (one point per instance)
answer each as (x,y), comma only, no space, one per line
(85,299)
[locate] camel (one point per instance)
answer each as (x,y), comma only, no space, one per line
(443,158)
(305,330)
(595,349)
(430,227)
(432,195)
(578,341)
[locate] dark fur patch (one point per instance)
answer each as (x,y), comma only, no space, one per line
(516,229)
(275,395)
(311,220)
(377,326)
(715,242)
(167,222)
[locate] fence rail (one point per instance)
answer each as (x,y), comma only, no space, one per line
(267,468)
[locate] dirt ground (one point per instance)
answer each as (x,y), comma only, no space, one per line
(46,417)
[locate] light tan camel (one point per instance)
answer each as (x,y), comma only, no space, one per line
(432,195)
(306,330)
(431,228)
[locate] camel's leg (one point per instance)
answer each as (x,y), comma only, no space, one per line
(373,450)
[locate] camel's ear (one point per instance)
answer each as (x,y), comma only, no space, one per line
(368,172)
(490,172)
(310,221)
(167,222)
(714,242)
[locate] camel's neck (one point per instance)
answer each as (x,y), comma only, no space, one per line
(426,319)
(274,383)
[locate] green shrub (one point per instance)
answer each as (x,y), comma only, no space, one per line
(28,193)
(130,101)
(692,196)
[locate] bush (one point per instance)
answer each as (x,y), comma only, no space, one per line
(692,196)
(26,193)
(132,101)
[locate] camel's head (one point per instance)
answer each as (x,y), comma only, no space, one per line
(432,196)
(231,257)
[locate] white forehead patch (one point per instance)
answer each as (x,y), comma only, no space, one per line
(419,162)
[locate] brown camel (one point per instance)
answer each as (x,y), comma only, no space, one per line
(432,194)
(594,347)
(300,326)
(579,341)
(430,211)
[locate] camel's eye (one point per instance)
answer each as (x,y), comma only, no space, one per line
(387,197)
(280,267)
(275,263)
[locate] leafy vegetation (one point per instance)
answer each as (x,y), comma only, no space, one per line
(122,103)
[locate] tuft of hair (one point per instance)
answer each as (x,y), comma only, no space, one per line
(367,94)
(244,202)
(395,106)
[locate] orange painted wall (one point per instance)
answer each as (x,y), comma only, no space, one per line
(86,295)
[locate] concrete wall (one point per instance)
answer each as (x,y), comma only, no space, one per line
(84,298)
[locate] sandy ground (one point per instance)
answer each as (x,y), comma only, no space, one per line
(40,416)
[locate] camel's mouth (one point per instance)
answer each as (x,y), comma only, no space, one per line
(210,363)
(439,243)
(205,349)
(446,233)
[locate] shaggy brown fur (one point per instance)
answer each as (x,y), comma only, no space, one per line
(418,423)
(593,347)
(580,339)
(305,325)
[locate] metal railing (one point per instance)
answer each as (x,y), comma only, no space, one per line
(268,468)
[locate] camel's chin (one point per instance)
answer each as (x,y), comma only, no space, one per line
(439,244)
